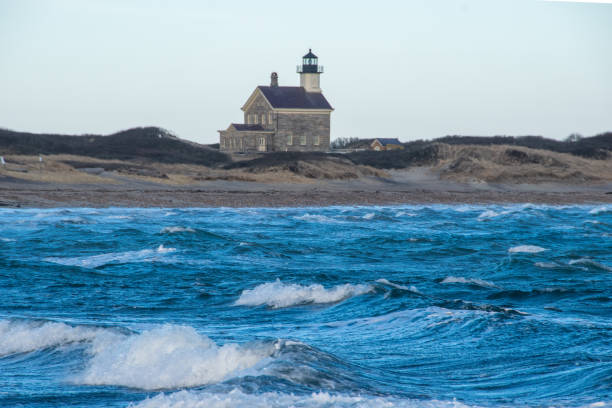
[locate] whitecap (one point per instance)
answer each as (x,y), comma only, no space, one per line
(173,230)
(410,288)
(23,337)
(321,399)
(119,217)
(369,216)
(590,262)
(470,281)
(600,210)
(314,218)
(94,261)
(7,239)
(529,249)
(169,357)
(546,265)
(278,294)
(488,214)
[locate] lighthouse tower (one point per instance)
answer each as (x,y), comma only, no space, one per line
(310,72)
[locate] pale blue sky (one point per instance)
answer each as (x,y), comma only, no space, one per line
(406,69)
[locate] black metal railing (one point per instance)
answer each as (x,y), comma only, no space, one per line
(309,69)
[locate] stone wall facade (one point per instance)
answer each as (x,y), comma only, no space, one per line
(300,132)
(260,113)
(234,141)
(282,130)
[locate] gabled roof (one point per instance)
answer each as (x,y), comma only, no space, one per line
(294,97)
(241,127)
(388,141)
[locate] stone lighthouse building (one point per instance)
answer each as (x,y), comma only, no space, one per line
(283,118)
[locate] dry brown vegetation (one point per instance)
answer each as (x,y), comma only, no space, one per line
(513,164)
(463,163)
(72,169)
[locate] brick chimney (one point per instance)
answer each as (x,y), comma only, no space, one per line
(274,80)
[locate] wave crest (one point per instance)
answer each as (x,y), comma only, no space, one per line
(529,249)
(23,337)
(278,294)
(176,229)
(470,281)
(321,399)
(94,261)
(169,357)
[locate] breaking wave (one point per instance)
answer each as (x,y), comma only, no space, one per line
(278,294)
(591,263)
(95,261)
(174,230)
(237,398)
(410,288)
(23,337)
(528,249)
(601,210)
(169,357)
(315,218)
(469,281)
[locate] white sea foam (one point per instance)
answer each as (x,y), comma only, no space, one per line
(470,281)
(278,294)
(405,214)
(315,218)
(163,250)
(600,210)
(410,288)
(94,261)
(369,216)
(22,337)
(590,262)
(119,217)
(529,249)
(169,357)
(488,214)
(236,398)
(546,265)
(173,230)
(7,239)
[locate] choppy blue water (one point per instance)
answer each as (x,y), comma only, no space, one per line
(314,307)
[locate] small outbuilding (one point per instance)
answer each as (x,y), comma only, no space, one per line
(386,144)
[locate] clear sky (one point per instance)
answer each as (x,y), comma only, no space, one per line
(408,69)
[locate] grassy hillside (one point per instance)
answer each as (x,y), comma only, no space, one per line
(424,153)
(144,143)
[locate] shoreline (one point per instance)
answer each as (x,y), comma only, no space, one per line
(414,186)
(185,198)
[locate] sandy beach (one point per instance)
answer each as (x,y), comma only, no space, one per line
(415,186)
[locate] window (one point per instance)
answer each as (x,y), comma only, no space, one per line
(248,119)
(303,140)
(270,118)
(262,141)
(255,119)
(289,140)
(316,141)
(263,119)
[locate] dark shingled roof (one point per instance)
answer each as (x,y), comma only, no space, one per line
(243,127)
(310,54)
(387,141)
(294,97)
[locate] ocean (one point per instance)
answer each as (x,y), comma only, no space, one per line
(398,306)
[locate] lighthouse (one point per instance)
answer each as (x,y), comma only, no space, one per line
(310,72)
(283,118)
